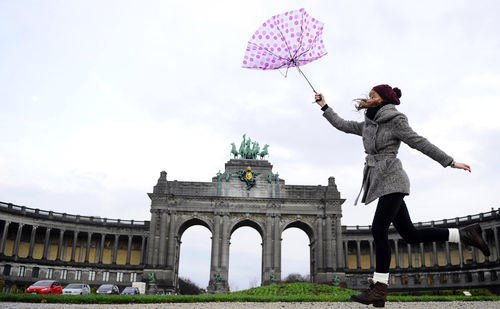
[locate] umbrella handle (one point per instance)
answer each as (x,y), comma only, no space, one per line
(316,101)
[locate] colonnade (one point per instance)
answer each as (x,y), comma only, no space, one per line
(85,238)
(406,255)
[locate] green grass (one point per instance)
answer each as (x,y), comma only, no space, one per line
(291,292)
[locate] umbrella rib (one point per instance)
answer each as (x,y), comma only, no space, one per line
(281,58)
(310,46)
(301,38)
(284,39)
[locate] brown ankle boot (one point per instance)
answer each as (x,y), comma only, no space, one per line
(472,235)
(376,295)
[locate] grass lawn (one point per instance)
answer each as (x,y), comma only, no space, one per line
(289,292)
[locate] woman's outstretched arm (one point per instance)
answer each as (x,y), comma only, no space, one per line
(405,133)
(352,127)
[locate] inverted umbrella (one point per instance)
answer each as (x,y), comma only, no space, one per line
(286,40)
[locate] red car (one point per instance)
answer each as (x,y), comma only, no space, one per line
(45,287)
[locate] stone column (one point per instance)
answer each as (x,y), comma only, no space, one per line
(215,283)
(163,237)
(267,250)
(396,252)
(346,254)
(129,248)
(101,249)
(80,254)
(59,246)
(4,236)
(277,249)
(18,240)
(410,264)
(435,253)
(151,238)
(422,253)
(46,244)
(224,248)
(87,252)
(358,254)
(171,252)
(329,252)
(73,248)
(340,247)
(32,241)
(115,249)
(319,247)
(143,241)
(448,258)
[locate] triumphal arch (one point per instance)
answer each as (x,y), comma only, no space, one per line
(247,193)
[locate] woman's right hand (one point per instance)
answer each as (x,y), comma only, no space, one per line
(320,99)
(462,166)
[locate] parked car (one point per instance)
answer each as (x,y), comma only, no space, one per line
(108,289)
(130,290)
(76,289)
(45,287)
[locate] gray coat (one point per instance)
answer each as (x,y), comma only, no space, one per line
(383,172)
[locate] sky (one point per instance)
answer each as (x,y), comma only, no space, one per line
(98,97)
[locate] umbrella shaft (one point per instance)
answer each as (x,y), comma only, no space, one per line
(305,77)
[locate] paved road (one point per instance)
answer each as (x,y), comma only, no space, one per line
(336,305)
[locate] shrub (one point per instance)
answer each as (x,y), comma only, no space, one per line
(294,277)
(188,287)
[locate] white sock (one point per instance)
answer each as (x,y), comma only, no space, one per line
(454,236)
(381,277)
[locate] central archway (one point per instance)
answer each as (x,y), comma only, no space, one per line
(245,258)
(297,252)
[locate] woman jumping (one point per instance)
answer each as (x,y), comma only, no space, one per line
(384,179)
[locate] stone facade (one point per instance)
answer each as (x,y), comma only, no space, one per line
(226,204)
(37,244)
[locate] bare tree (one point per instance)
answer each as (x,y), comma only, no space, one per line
(294,277)
(254,283)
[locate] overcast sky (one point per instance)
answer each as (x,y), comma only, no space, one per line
(98,97)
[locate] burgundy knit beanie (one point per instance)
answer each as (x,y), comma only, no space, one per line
(387,93)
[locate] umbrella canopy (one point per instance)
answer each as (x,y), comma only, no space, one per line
(285,40)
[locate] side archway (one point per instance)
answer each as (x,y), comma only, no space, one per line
(193,261)
(297,251)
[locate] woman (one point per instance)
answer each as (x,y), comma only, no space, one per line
(384,179)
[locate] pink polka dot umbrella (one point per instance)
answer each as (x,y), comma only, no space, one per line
(291,39)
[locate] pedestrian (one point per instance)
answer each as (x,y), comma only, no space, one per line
(383,130)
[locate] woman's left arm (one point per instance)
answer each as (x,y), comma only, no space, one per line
(405,133)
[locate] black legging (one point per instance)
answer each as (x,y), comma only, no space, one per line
(392,208)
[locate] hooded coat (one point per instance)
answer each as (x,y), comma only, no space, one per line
(383,172)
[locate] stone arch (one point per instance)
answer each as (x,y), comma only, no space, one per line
(250,223)
(302,225)
(184,225)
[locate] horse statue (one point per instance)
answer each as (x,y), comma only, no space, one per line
(233,150)
(264,152)
(242,147)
